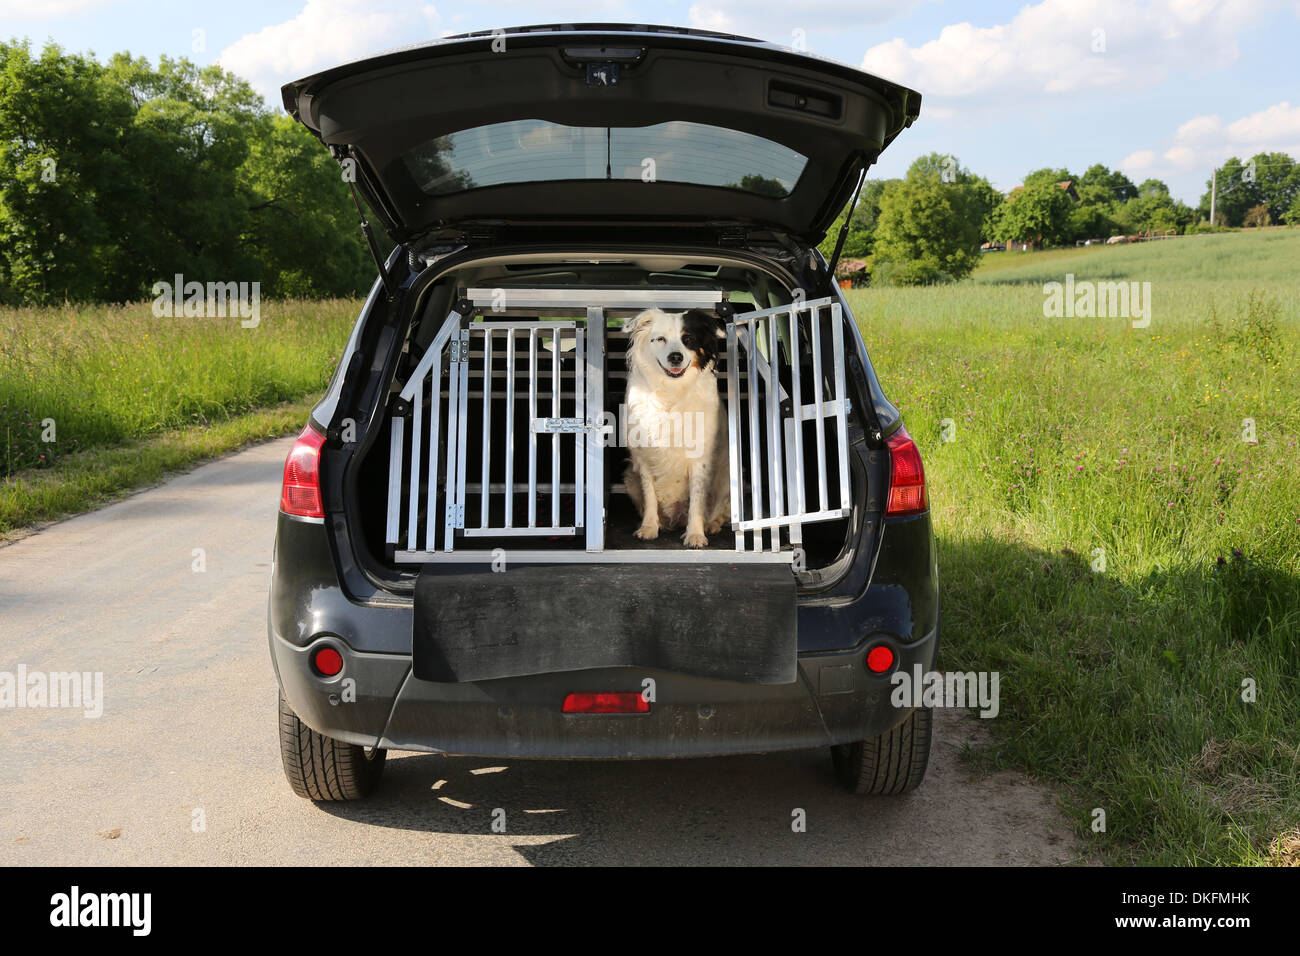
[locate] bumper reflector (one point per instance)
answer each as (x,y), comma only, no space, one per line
(328,661)
(880,659)
(629,702)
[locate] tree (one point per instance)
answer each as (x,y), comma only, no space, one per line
(1277,182)
(1100,181)
(1257,216)
(1236,190)
(1048,176)
(1038,212)
(60,132)
(930,224)
(1092,221)
(1292,216)
(302,226)
(115,176)
(862,228)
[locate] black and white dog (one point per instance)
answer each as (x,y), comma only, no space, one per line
(677,434)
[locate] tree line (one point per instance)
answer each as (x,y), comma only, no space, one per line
(117,175)
(929,226)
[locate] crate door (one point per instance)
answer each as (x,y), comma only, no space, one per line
(521,424)
(787,413)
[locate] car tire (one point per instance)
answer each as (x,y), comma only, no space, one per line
(322,768)
(892,763)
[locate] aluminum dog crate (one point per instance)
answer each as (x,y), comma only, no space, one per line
(495,442)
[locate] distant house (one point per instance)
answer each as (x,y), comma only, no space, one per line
(1067,185)
(850,272)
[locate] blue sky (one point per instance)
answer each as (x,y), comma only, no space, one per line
(1164,88)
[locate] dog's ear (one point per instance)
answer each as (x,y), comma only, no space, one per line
(639,323)
(707,320)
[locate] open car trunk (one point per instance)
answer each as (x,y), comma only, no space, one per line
(641,124)
(503,436)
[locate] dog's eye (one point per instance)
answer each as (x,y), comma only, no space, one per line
(688,341)
(660,340)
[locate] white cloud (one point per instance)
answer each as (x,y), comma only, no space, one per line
(1065,46)
(777,22)
(326,33)
(1204,142)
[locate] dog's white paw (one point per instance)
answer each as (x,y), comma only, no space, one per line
(648,532)
(695,539)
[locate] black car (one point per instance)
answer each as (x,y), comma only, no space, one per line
(455,567)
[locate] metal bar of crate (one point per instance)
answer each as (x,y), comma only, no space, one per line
(841,424)
(510,428)
(755,472)
(486,469)
(796,386)
(579,412)
(396,437)
(532,435)
(815,325)
(555,436)
(413,506)
(456,516)
(453,445)
(733,431)
(659,297)
(595,443)
(794,484)
(552,531)
(642,556)
(776,487)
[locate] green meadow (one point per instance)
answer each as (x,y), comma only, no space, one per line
(127,396)
(1118,516)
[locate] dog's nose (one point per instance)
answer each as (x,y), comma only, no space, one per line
(674,358)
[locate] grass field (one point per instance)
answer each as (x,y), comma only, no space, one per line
(1075,441)
(126,396)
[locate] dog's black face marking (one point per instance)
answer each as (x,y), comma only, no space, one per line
(702,333)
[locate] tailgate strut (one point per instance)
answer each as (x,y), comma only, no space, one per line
(844,232)
(366,231)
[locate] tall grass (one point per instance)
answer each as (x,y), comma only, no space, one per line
(107,374)
(1082,441)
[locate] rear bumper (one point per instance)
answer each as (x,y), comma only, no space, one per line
(835,700)
(376,701)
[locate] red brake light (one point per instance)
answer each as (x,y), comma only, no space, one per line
(300,492)
(606,703)
(907,494)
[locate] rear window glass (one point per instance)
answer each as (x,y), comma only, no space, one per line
(527,151)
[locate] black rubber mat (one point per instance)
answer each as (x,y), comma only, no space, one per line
(731,622)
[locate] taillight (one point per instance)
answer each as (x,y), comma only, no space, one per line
(907,494)
(615,702)
(300,492)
